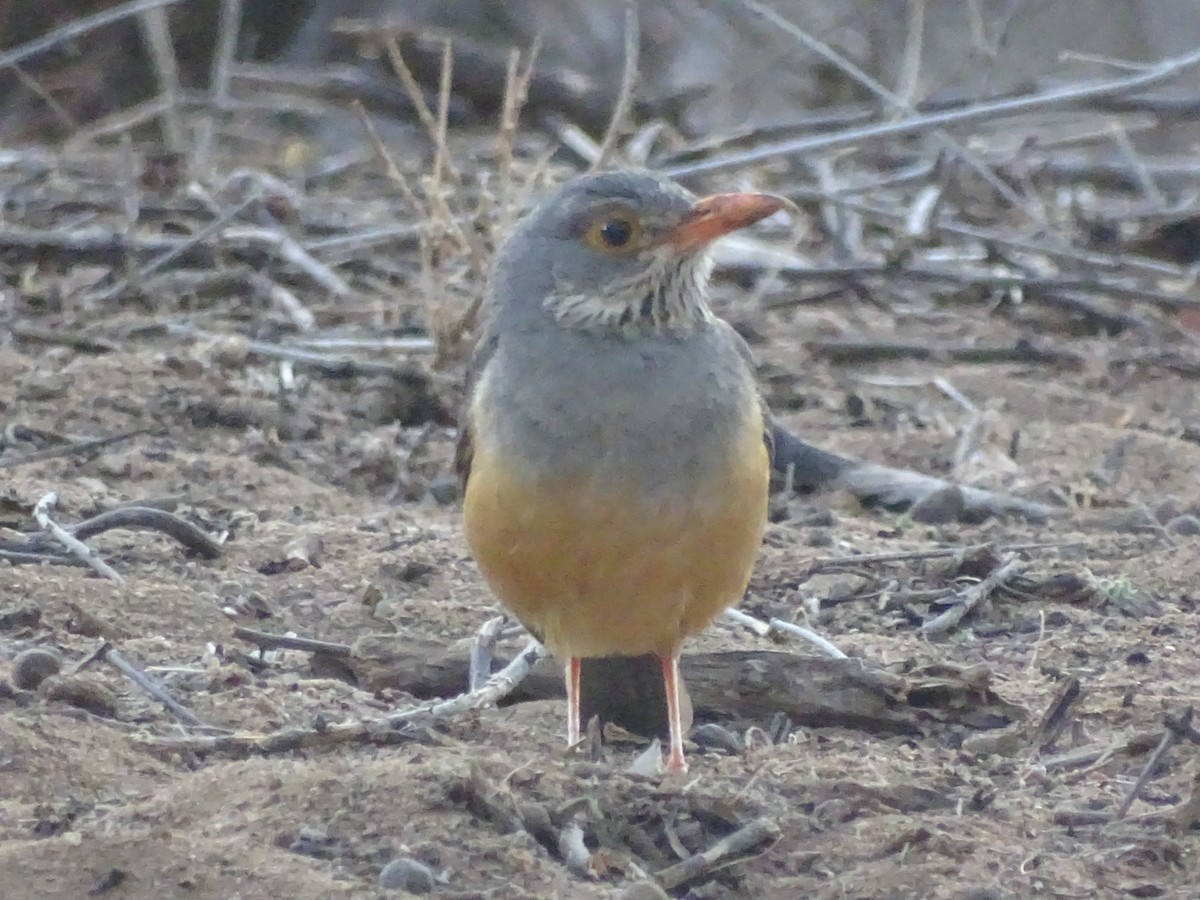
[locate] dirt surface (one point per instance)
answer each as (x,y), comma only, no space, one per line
(354,469)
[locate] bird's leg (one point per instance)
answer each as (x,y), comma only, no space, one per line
(670,670)
(572,679)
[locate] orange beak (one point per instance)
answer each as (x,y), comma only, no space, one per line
(718,215)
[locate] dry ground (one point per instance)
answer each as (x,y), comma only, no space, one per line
(91,805)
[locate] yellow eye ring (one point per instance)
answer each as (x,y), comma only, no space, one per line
(614,233)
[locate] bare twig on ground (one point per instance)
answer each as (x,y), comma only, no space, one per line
(109,654)
(74,546)
(150,519)
(331,366)
(482,649)
(971,113)
(69,449)
(77,29)
(749,837)
(823,564)
(779,627)
(1176,730)
(147,518)
(156,32)
(385,730)
(1059,714)
(268,641)
(972,596)
(858,350)
(1094,283)
(844,65)
(629,75)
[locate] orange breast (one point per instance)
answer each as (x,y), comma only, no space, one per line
(598,569)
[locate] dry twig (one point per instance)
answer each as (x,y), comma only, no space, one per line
(1176,730)
(629,74)
(972,596)
(745,839)
(779,627)
(384,730)
(73,545)
(971,113)
(108,653)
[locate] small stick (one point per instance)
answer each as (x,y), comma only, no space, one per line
(156,31)
(229,25)
(386,730)
(152,519)
(76,547)
(1170,738)
(109,654)
(77,29)
(333,366)
(779,626)
(961,115)
(290,250)
(973,596)
(837,562)
(268,641)
(1058,715)
(482,651)
(301,316)
(69,449)
(811,636)
(746,838)
(417,96)
(629,74)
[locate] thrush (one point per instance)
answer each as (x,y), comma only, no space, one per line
(614,449)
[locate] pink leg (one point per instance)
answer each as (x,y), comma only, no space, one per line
(670,670)
(572,678)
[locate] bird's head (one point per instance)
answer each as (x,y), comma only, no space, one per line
(621,251)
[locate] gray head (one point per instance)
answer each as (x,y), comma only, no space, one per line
(619,251)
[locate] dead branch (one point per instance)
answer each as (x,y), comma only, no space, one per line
(922,123)
(268,641)
(390,729)
(857,351)
(73,545)
(972,596)
(749,837)
(69,449)
(1175,731)
(108,653)
(77,29)
(150,519)
(629,74)
(778,627)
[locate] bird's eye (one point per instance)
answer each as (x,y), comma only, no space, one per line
(614,233)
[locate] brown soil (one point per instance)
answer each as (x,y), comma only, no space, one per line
(89,807)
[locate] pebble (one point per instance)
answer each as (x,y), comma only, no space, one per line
(33,666)
(1186,525)
(407,874)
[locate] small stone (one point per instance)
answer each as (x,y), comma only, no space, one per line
(33,666)
(313,841)
(1168,509)
(444,489)
(407,874)
(1186,525)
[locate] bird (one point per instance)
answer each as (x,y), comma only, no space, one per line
(614,448)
